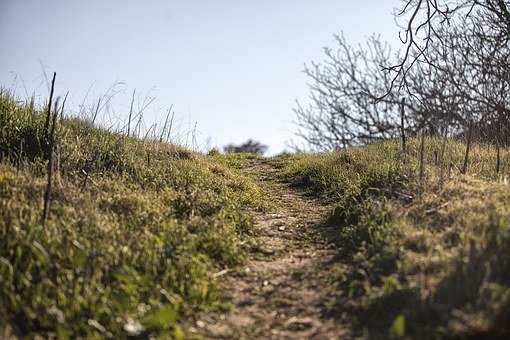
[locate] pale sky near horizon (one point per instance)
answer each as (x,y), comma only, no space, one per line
(233,67)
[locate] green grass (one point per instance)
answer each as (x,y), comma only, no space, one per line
(135,229)
(233,159)
(418,259)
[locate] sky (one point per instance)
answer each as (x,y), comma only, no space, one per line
(231,69)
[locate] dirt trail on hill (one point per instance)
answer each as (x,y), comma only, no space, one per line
(282,291)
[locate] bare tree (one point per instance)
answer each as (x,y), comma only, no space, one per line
(467,78)
(423,20)
(460,78)
(344,89)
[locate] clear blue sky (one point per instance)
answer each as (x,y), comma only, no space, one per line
(234,67)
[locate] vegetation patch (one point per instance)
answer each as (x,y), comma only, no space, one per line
(419,256)
(135,229)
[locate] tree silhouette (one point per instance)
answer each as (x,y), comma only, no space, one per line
(250,146)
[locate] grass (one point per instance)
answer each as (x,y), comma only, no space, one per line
(417,258)
(135,230)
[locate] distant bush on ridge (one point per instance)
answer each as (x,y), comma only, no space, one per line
(250,146)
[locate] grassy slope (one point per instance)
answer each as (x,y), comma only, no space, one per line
(134,232)
(136,228)
(418,259)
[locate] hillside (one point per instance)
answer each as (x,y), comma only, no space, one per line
(148,239)
(134,233)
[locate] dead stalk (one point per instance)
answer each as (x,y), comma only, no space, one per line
(96,112)
(194,137)
(442,163)
(402,125)
(170,127)
(131,112)
(468,148)
(153,126)
(47,193)
(165,125)
(48,114)
(498,157)
(63,105)
(58,146)
(31,107)
(422,157)
(138,125)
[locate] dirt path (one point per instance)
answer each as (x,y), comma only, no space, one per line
(280,293)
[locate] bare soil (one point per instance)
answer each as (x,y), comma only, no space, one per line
(282,292)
